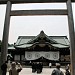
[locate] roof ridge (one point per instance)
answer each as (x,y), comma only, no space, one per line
(42,35)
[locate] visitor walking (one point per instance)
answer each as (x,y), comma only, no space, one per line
(15,70)
(4,68)
(57,71)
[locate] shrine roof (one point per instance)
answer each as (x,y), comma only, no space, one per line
(56,41)
(12,48)
(54,45)
(60,46)
(33,1)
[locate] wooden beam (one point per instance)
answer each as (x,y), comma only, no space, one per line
(72,36)
(32,1)
(4,47)
(37,12)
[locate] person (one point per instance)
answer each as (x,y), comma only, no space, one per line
(4,68)
(19,66)
(34,67)
(39,67)
(67,72)
(57,71)
(67,67)
(41,64)
(50,64)
(15,70)
(8,65)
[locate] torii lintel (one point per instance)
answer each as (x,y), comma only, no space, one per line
(33,1)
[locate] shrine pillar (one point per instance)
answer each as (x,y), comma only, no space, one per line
(71,36)
(4,47)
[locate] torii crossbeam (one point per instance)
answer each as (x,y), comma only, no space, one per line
(67,12)
(33,1)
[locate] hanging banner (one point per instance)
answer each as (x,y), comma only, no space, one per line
(36,55)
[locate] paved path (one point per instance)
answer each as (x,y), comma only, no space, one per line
(45,71)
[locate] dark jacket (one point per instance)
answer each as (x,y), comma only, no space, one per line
(57,72)
(4,67)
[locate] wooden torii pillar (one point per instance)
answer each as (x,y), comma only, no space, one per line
(9,12)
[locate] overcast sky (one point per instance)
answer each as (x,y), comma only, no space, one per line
(32,25)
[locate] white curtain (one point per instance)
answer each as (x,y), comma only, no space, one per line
(48,55)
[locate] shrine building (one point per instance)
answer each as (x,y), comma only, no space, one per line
(41,48)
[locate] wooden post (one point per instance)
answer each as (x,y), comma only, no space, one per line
(71,35)
(4,47)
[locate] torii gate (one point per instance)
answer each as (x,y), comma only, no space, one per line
(9,13)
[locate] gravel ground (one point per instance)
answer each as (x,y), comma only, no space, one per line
(45,71)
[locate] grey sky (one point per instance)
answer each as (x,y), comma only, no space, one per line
(32,25)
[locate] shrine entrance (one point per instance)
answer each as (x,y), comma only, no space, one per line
(67,12)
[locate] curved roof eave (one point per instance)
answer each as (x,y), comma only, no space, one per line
(37,43)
